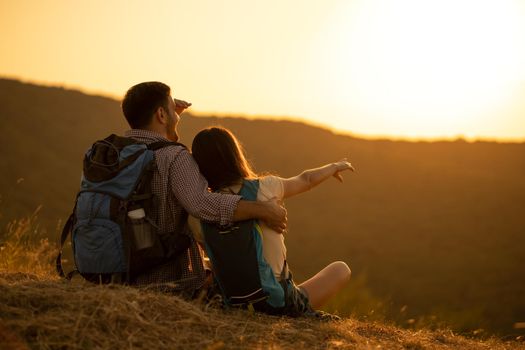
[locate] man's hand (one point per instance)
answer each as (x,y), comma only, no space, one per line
(181,105)
(276,218)
(271,212)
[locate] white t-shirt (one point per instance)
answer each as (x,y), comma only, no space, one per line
(274,249)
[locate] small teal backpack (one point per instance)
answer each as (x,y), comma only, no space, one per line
(236,254)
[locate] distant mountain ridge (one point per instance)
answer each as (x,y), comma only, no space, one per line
(436,226)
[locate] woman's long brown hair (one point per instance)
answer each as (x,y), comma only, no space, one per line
(220,158)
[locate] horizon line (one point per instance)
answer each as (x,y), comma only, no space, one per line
(341,132)
(237,115)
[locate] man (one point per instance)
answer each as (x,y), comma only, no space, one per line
(153,115)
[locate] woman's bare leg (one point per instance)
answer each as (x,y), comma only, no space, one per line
(326,283)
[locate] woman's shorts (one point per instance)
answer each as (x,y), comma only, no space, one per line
(296,302)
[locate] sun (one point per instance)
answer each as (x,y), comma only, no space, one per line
(427,68)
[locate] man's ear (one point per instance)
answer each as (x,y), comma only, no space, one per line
(160,115)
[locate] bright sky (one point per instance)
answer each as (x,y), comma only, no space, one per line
(398,68)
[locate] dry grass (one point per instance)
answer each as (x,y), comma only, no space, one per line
(43,313)
(40,311)
(25,248)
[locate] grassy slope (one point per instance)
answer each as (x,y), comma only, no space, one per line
(40,311)
(44,313)
(437,227)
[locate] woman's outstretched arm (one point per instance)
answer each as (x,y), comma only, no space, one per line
(313,177)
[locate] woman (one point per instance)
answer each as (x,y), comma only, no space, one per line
(222,161)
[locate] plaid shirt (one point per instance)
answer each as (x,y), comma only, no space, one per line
(181,189)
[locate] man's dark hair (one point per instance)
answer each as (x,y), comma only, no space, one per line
(142,100)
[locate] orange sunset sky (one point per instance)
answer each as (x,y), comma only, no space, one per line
(396,68)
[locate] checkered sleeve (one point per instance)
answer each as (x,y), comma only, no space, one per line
(191,189)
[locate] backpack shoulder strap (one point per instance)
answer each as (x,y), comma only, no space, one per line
(65,233)
(249,189)
(161,144)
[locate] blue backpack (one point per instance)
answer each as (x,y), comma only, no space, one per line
(236,253)
(113,235)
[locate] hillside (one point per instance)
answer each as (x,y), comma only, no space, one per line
(433,231)
(40,313)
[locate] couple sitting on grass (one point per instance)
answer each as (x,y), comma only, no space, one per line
(238,219)
(221,161)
